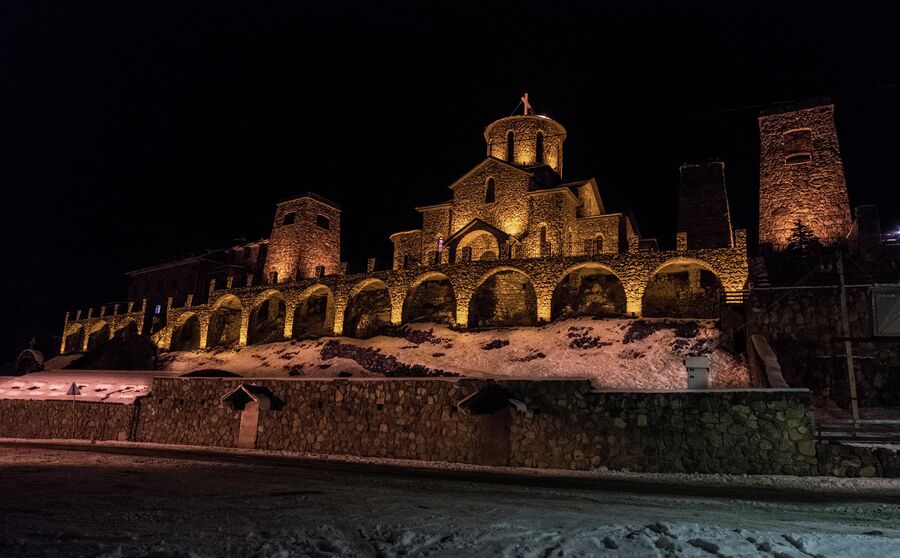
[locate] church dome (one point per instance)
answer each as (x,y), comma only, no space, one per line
(527,141)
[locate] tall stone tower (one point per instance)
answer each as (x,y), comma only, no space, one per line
(306,239)
(703,206)
(527,141)
(801,175)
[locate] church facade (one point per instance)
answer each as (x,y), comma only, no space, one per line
(515,245)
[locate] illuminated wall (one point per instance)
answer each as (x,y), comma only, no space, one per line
(801,176)
(525,130)
(306,233)
(508,212)
(635,269)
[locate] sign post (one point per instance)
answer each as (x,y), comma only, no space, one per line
(73,391)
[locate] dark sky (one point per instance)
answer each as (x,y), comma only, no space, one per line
(135,132)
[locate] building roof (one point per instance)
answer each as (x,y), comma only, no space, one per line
(791,106)
(313,196)
(487,129)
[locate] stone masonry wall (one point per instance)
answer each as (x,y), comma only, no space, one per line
(804,328)
(295,249)
(703,206)
(804,182)
(187,412)
(567,425)
(525,130)
(508,213)
(54,419)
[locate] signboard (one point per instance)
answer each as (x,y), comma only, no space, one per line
(886,310)
(73,390)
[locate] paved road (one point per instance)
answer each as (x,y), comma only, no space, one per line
(115,501)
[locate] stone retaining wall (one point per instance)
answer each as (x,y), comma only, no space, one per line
(566,424)
(563,425)
(54,419)
(804,328)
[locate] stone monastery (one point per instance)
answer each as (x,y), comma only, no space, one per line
(515,244)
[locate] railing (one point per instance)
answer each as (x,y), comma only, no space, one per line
(734,297)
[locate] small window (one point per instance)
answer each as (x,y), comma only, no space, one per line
(510,146)
(322,222)
(797,146)
(289,219)
(539,148)
(273,277)
(489,191)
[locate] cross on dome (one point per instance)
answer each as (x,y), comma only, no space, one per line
(526,106)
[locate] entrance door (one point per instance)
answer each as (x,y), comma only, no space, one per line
(249,423)
(492,442)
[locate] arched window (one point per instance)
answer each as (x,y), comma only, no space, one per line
(797,146)
(545,246)
(510,146)
(539,148)
(289,218)
(489,191)
(322,222)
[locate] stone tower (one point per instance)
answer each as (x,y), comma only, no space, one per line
(801,176)
(527,141)
(703,206)
(305,241)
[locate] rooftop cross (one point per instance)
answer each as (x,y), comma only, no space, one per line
(526,104)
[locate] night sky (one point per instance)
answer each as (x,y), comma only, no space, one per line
(136,132)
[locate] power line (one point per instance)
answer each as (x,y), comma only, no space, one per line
(786,102)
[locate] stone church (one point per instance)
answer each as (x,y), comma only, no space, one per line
(515,244)
(515,205)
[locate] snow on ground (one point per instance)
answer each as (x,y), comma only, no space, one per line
(95,385)
(577,348)
(63,503)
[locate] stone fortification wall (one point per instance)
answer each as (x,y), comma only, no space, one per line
(634,269)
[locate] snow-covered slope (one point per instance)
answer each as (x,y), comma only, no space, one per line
(110,386)
(615,354)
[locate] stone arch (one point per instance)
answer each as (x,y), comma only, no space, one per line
(504,296)
(73,341)
(682,288)
(478,245)
(225,322)
(588,289)
(186,333)
(126,328)
(430,298)
(267,316)
(314,314)
(98,335)
(368,309)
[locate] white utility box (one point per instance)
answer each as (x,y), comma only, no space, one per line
(697,372)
